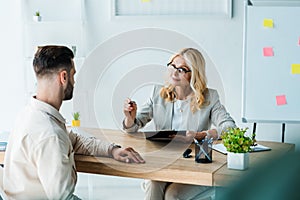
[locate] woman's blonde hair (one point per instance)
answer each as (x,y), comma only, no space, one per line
(195,61)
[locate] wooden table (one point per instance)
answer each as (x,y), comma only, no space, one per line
(164,161)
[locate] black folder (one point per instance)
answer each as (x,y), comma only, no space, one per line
(164,135)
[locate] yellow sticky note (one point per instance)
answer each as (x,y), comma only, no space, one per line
(145,1)
(268,23)
(295,68)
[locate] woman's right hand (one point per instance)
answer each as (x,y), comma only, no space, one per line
(129,110)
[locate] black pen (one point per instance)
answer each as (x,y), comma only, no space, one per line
(131,103)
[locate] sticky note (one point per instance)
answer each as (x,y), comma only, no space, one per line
(299,41)
(281,100)
(268,51)
(295,68)
(268,23)
(145,1)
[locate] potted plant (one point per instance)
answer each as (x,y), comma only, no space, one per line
(238,145)
(37,16)
(76,121)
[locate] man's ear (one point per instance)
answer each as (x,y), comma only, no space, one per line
(63,75)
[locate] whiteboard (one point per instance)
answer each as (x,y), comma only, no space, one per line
(271,63)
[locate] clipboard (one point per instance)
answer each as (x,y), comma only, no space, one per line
(163,135)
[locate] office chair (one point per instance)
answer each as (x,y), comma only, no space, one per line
(3,196)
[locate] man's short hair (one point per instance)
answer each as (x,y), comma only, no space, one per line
(51,59)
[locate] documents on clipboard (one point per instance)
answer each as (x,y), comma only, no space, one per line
(222,149)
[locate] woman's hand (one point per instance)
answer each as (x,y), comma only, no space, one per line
(209,133)
(128,155)
(129,110)
(190,135)
(188,138)
(200,135)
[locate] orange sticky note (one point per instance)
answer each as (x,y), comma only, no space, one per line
(295,68)
(268,51)
(268,23)
(281,100)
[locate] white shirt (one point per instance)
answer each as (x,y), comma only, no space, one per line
(179,120)
(39,160)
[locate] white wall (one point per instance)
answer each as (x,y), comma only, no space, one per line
(221,38)
(12,76)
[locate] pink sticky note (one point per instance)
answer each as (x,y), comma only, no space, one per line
(280,100)
(299,41)
(268,51)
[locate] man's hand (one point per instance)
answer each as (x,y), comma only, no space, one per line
(128,155)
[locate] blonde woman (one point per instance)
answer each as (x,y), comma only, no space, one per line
(184,103)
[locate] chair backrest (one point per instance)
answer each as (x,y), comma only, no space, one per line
(3,196)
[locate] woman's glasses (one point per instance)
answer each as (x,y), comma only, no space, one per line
(180,70)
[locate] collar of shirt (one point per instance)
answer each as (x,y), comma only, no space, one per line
(40,105)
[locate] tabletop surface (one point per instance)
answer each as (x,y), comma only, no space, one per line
(164,161)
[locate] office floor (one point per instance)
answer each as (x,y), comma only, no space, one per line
(94,187)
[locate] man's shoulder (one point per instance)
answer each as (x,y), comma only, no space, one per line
(38,125)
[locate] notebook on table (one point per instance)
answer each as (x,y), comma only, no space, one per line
(222,149)
(164,135)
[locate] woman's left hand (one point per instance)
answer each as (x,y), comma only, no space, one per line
(201,135)
(188,138)
(190,135)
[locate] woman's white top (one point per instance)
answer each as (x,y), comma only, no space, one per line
(180,121)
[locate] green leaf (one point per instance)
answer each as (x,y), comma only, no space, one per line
(235,140)
(76,115)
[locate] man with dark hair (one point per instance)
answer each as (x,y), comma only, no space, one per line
(39,160)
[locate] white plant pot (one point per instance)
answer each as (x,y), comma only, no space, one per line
(239,161)
(37,18)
